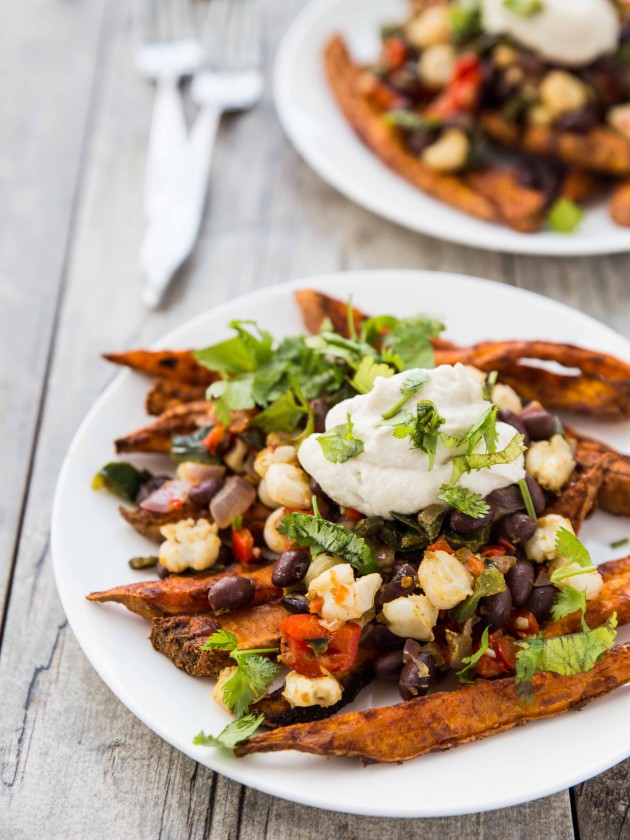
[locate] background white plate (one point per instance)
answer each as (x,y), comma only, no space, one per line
(322,136)
(91,545)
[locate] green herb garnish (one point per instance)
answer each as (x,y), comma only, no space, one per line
(524,8)
(568,600)
(122,479)
(466,463)
(569,548)
(472,504)
(233,734)
(412,383)
(423,429)
(321,536)
(366,373)
(619,543)
(339,444)
(143,562)
(486,428)
(254,673)
(565,215)
(471,661)
(527,499)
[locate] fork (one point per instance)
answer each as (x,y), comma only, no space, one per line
(167,51)
(232,81)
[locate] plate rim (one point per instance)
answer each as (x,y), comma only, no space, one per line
(532,244)
(127,697)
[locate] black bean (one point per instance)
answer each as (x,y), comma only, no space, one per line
(403,583)
(290,568)
(320,407)
(541,600)
(231,593)
(161,571)
(540,424)
(204,492)
(417,676)
(316,490)
(497,608)
(578,122)
(465,524)
(420,139)
(378,637)
(520,579)
(506,499)
(296,604)
(226,556)
(150,486)
(388,665)
(517,528)
(512,419)
(538,497)
(411,649)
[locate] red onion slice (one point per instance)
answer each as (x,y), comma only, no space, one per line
(232,500)
(168,497)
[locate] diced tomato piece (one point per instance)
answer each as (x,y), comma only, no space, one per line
(215,438)
(310,648)
(351,513)
(395,53)
(475,565)
(462,93)
(382,97)
(441,545)
(504,659)
(509,548)
(523,623)
(493,551)
(243,546)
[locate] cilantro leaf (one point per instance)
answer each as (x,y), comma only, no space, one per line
(486,428)
(191,448)
(366,373)
(221,640)
(423,429)
(283,415)
(489,582)
(527,499)
(472,504)
(576,653)
(231,395)
(466,463)
(619,543)
(412,383)
(338,445)
(233,734)
(314,532)
(332,344)
(571,549)
(253,675)
(568,600)
(524,8)
(488,385)
(410,339)
(373,329)
(241,354)
(471,661)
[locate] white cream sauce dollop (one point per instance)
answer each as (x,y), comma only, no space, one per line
(570,32)
(390,475)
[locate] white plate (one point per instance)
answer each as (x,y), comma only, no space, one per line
(322,136)
(91,545)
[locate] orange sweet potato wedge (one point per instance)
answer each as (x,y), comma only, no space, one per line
(344,78)
(600,149)
(580,498)
(614,597)
(184,594)
(180,637)
(166,394)
(445,719)
(614,494)
(156,437)
(619,206)
(520,207)
(176,365)
(317,307)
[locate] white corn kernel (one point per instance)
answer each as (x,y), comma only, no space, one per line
(274,455)
(449,152)
(550,462)
(273,538)
(445,580)
(344,598)
(542,545)
(320,564)
(561,92)
(288,485)
(619,118)
(411,617)
(506,398)
(264,496)
(436,65)
(431,26)
(308,691)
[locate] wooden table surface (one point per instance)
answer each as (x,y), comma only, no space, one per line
(73,121)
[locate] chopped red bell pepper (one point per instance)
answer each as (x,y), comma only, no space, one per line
(395,53)
(523,623)
(462,93)
(243,546)
(311,649)
(215,438)
(441,545)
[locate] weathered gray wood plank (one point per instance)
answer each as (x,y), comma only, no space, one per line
(48,54)
(603,805)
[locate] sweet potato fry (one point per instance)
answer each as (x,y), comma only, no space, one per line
(184,594)
(614,494)
(578,185)
(445,719)
(177,365)
(148,524)
(278,712)
(614,597)
(166,394)
(619,206)
(344,79)
(600,149)
(579,499)
(317,307)
(520,207)
(180,420)
(179,637)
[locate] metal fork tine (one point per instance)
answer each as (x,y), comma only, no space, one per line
(251,40)
(213,29)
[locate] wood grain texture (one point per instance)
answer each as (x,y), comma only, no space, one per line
(73,761)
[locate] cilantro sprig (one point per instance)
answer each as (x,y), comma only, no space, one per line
(486,428)
(470,661)
(316,533)
(467,463)
(339,444)
(366,373)
(413,382)
(253,676)
(569,599)
(233,734)
(464,500)
(423,429)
